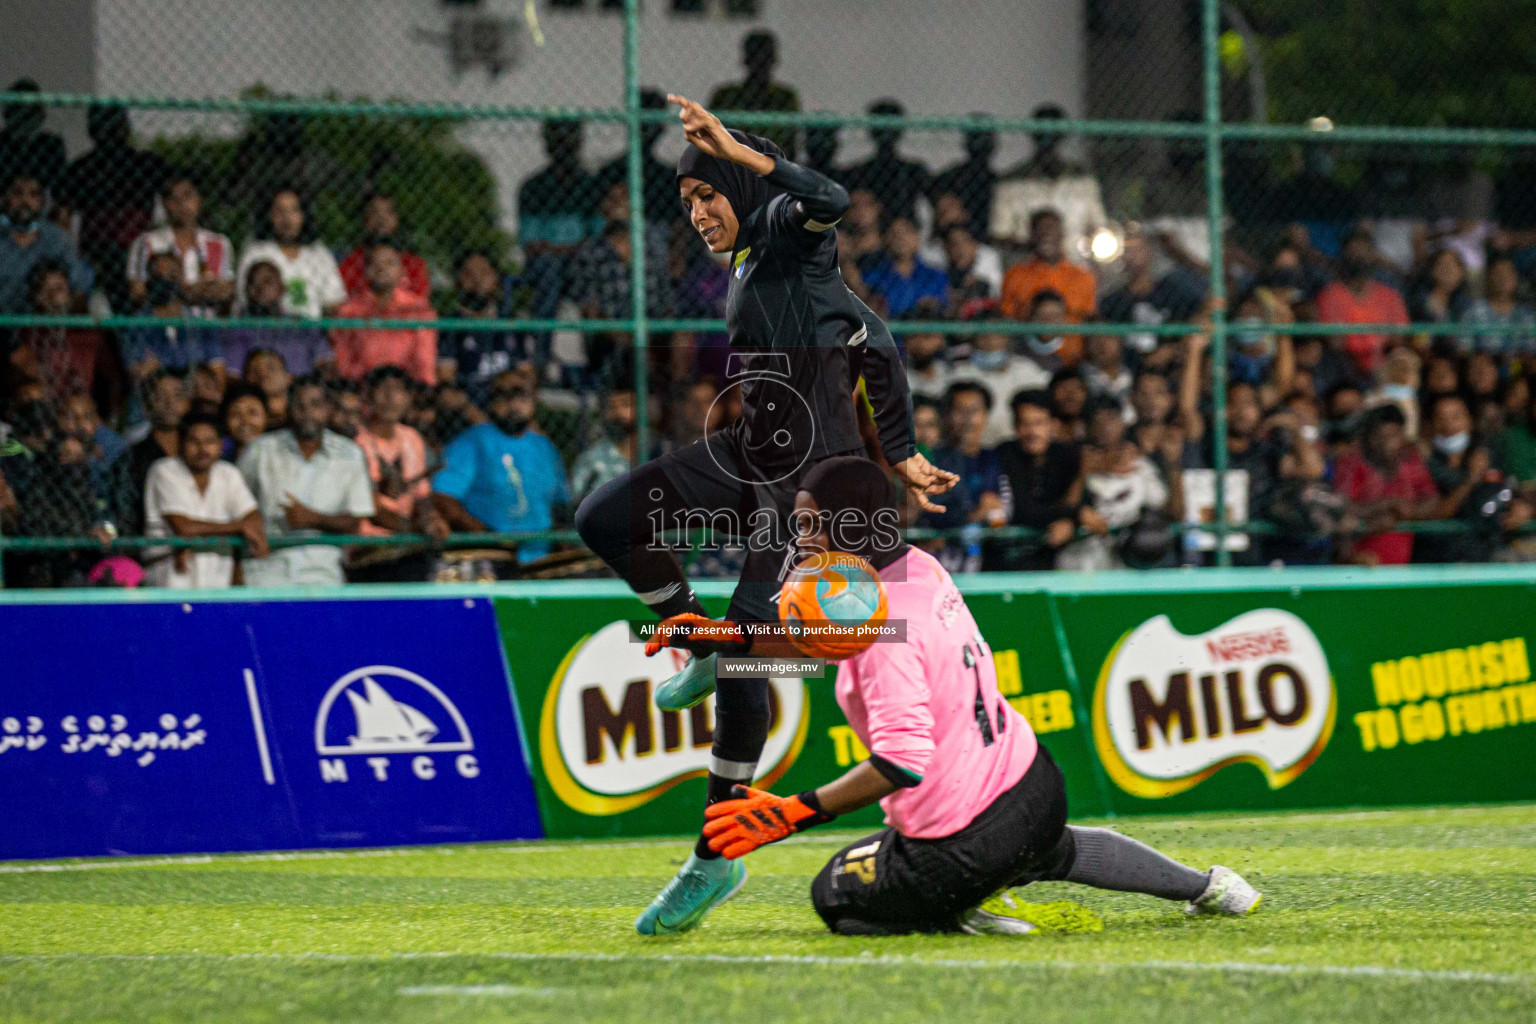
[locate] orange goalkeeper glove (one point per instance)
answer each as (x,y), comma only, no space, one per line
(699,635)
(756,818)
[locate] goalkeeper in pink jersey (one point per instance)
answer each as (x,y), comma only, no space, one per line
(974,805)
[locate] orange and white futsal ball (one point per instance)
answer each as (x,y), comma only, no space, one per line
(833,605)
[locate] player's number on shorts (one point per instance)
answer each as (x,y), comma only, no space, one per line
(972,660)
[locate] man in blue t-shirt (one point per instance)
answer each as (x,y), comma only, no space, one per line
(500,476)
(904,281)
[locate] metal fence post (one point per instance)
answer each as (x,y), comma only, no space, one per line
(637,248)
(1215,209)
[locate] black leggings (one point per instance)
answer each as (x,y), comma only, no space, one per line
(703,484)
(700,485)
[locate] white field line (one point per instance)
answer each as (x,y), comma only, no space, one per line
(476,990)
(939,963)
(832,837)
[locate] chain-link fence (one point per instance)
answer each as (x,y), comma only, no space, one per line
(1262,331)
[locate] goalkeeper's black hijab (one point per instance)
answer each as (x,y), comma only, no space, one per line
(851,482)
(745,190)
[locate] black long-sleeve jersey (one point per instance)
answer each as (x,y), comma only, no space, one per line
(801,340)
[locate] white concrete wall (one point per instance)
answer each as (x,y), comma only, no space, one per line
(937,56)
(52,42)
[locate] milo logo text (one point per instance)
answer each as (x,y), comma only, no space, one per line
(1171,710)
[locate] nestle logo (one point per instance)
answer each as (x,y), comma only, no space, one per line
(1247,646)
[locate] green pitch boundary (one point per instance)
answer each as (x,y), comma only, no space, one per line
(889,961)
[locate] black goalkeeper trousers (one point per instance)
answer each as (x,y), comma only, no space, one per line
(890,884)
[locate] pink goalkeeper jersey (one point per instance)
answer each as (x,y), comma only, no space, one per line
(930,706)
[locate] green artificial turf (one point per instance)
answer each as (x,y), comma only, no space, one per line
(1395,916)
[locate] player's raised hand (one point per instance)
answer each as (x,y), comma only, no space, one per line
(703,129)
(924,478)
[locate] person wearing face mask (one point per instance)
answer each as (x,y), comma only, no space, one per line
(27,240)
(613,454)
(1146,298)
(1046,351)
(1358,298)
(307,480)
(1104,370)
(1400,386)
(1048,269)
(1004,373)
(302,348)
(1459,463)
(502,476)
(1258,353)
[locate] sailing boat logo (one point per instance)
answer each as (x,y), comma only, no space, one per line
(393,711)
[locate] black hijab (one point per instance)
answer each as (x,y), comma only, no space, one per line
(852,482)
(745,190)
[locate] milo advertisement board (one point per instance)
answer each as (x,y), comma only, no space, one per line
(1295,698)
(1215,694)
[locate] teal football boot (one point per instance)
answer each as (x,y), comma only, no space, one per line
(699,887)
(689,687)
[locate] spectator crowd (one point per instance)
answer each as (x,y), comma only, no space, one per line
(1100,446)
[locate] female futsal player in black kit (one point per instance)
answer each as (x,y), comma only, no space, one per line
(800,341)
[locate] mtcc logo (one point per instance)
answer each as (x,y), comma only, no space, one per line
(390,711)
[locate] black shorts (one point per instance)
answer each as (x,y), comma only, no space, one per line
(888,884)
(710,483)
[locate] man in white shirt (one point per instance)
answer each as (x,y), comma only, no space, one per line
(195,494)
(307,480)
(1003,373)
